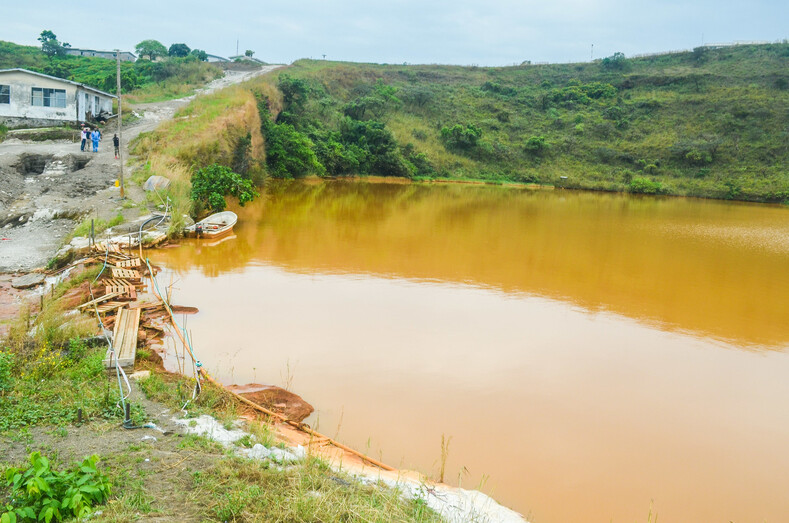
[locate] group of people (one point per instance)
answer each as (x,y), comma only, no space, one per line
(95,137)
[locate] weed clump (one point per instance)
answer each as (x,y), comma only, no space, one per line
(40,493)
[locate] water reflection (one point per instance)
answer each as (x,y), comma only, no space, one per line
(712,268)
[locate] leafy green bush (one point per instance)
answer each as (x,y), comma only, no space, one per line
(615,62)
(211,184)
(645,186)
(696,157)
(537,144)
(577,93)
(495,87)
(462,137)
(39,493)
(289,153)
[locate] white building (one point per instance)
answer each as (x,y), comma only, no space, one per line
(126,56)
(34,99)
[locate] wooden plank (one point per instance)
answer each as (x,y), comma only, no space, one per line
(126,274)
(124,339)
(100,299)
(109,306)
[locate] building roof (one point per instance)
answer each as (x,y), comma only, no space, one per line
(99,51)
(58,79)
(217,56)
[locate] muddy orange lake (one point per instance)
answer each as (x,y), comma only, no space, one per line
(593,357)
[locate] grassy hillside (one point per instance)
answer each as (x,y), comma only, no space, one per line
(711,123)
(143,81)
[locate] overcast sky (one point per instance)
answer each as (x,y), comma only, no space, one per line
(482,32)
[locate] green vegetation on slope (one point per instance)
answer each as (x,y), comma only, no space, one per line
(708,123)
(143,80)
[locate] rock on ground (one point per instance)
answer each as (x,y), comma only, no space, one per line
(28,280)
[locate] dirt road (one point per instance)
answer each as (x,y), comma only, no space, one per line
(46,188)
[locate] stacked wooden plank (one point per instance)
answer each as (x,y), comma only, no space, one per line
(124,339)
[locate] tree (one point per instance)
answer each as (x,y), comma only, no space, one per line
(211,184)
(151,49)
(50,45)
(179,50)
(294,91)
(200,55)
(249,53)
(536,145)
(615,62)
(461,137)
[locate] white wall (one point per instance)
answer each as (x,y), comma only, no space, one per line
(21,85)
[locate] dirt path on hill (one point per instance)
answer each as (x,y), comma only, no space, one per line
(47,187)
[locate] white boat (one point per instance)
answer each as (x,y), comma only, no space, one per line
(215,226)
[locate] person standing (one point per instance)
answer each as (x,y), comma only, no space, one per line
(95,136)
(117,143)
(85,131)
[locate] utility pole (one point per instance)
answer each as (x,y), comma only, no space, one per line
(236,46)
(120,117)
(591,56)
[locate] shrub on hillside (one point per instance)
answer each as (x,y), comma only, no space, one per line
(536,145)
(461,137)
(615,62)
(640,185)
(497,88)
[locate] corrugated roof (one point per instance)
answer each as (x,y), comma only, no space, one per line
(17,69)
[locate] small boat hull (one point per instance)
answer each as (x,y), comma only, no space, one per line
(214,227)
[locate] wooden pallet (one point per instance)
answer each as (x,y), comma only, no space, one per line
(121,286)
(124,339)
(126,274)
(125,264)
(110,306)
(100,299)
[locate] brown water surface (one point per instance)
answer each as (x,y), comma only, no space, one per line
(589,354)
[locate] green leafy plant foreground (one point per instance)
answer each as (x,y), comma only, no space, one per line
(39,493)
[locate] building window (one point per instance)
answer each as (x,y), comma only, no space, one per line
(43,97)
(5,94)
(96,101)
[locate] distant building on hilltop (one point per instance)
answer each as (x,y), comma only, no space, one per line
(245,58)
(215,58)
(126,56)
(34,99)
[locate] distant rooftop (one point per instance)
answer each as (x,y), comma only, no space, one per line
(247,58)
